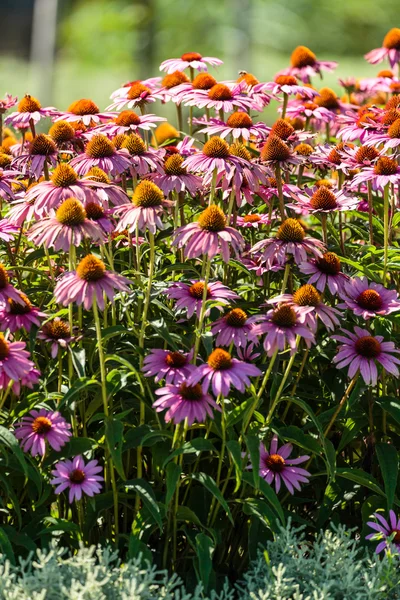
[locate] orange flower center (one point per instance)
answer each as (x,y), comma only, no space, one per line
(323,199)
(327,99)
(64,176)
(251,218)
(385,166)
(219,360)
(193,393)
(282,129)
(216,147)
(147,194)
(126,118)
(100,147)
(275,463)
(392,39)
(212,219)
(275,149)
(302,57)
(173,165)
(329,263)
(284,316)
(394,129)
(304,149)
(138,89)
(248,78)
(77,476)
(4,279)
(43,145)
(4,347)
(91,268)
(390,116)
(41,425)
(220,92)
(236,317)
(368,346)
(286,80)
(191,56)
(370,299)
(62,132)
(240,150)
(386,73)
(368,153)
(174,79)
(307,295)
(57,329)
(239,120)
(196,290)
(134,144)
(204,81)
(165,132)
(20,309)
(291,231)
(175,360)
(71,213)
(29,104)
(98,175)
(94,211)
(83,107)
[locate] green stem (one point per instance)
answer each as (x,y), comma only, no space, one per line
(283,382)
(285,103)
(385,231)
(260,392)
(278,177)
(203,308)
(341,403)
(370,213)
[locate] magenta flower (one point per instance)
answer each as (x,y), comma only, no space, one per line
(308,110)
(8,102)
(185,401)
(145,211)
(216,156)
(221,371)
(286,84)
(282,325)
(325,271)
(189,298)
(360,351)
(137,95)
(221,97)
(7,230)
(29,111)
(209,235)
(8,291)
(153,83)
(143,160)
(192,60)
(41,151)
(368,299)
(100,152)
(304,64)
(239,125)
(125,123)
(390,49)
(84,111)
(174,367)
(56,332)
(175,177)
(386,533)
(323,200)
(18,315)
(254,221)
(235,327)
(89,282)
(15,362)
(7,178)
(276,465)
(79,477)
(385,170)
(41,426)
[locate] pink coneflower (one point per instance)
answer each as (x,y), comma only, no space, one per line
(69,225)
(253,220)
(8,291)
(145,210)
(308,110)
(7,230)
(105,190)
(79,477)
(286,84)
(323,200)
(42,426)
(42,152)
(304,64)
(176,178)
(359,156)
(305,297)
(235,327)
(209,235)
(29,380)
(143,160)
(153,83)
(239,125)
(15,362)
(276,152)
(386,170)
(7,178)
(289,239)
(390,49)
(360,351)
(282,325)
(187,91)
(100,152)
(358,125)
(172,366)
(389,139)
(189,297)
(388,534)
(84,111)
(325,271)
(8,102)
(330,157)
(15,315)
(29,111)
(101,216)
(192,60)
(137,95)
(221,97)
(276,465)
(57,333)
(185,401)
(221,371)
(125,123)
(368,300)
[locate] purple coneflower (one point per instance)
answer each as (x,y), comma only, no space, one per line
(209,235)
(221,371)
(100,152)
(8,102)
(239,125)
(325,271)
(175,177)
(172,366)
(282,325)
(192,60)
(145,211)
(221,97)
(143,160)
(57,333)
(189,297)
(42,152)
(90,281)
(286,84)
(185,401)
(104,189)
(215,156)
(276,465)
(360,350)
(254,221)
(29,111)
(368,300)
(15,362)
(236,327)
(153,83)
(308,110)
(137,95)
(78,477)
(388,139)
(276,152)
(385,170)
(99,215)
(390,49)
(15,315)
(386,533)
(7,230)
(126,122)
(84,111)
(323,200)
(41,426)
(7,178)
(7,291)
(304,64)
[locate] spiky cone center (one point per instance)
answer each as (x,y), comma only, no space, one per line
(165,132)
(204,81)
(390,117)
(100,147)
(147,194)
(282,129)
(57,329)
(291,231)
(94,211)
(329,263)
(219,360)
(98,175)
(251,218)
(4,279)
(323,199)
(367,153)
(174,79)
(4,347)
(386,73)
(62,132)
(275,463)
(307,295)
(137,90)
(41,425)
(394,129)
(393,103)
(91,269)
(334,155)
(134,144)
(216,147)
(325,183)
(126,118)
(43,145)
(304,149)
(385,166)
(272,182)
(77,476)
(284,316)
(370,299)
(391,40)
(249,78)
(192,393)
(64,176)
(368,346)
(82,107)
(118,140)
(236,318)
(286,80)
(176,360)
(396,537)
(173,165)
(395,87)
(191,56)
(5,160)
(302,57)
(239,120)
(327,99)
(212,219)
(196,290)
(240,150)
(29,104)
(71,212)
(20,309)
(274,149)
(220,92)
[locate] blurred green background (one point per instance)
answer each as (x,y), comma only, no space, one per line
(61,50)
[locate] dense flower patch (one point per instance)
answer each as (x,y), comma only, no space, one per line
(200,325)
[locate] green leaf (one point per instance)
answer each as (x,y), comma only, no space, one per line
(196,445)
(253,445)
(186,514)
(238,412)
(145,491)
(10,441)
(260,509)
(268,493)
(75,446)
(114,436)
(391,405)
(389,464)
(173,473)
(236,453)
(78,360)
(5,547)
(297,436)
(136,547)
(205,550)
(75,391)
(212,487)
(361,478)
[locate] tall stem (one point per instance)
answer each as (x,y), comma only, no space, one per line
(203,308)
(278,177)
(385,230)
(285,103)
(283,382)
(260,392)
(370,212)
(341,403)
